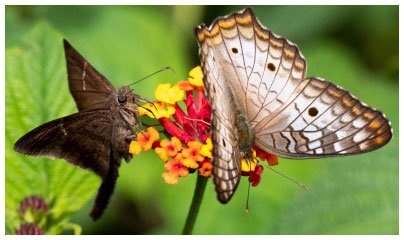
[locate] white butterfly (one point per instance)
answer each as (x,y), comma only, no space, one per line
(259,94)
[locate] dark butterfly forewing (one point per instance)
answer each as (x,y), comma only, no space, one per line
(96,137)
(89,88)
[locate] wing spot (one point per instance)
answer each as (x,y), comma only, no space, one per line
(83,75)
(375,124)
(356,111)
(335,93)
(234,50)
(224,142)
(313,111)
(289,54)
(368,115)
(379,140)
(347,102)
(62,128)
(271,67)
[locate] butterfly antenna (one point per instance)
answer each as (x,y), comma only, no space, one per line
(148,101)
(150,111)
(163,69)
(305,187)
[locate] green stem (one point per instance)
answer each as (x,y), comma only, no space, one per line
(196,203)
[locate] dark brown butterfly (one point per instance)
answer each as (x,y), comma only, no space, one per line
(96,137)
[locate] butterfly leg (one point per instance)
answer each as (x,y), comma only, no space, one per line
(124,152)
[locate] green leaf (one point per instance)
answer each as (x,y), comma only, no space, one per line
(36,92)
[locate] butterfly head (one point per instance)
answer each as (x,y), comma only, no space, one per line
(126,98)
(127,102)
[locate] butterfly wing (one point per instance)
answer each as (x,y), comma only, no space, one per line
(222,52)
(291,116)
(225,136)
(322,120)
(226,158)
(106,189)
(81,139)
(89,88)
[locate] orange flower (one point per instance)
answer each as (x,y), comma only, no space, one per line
(168,148)
(146,139)
(206,169)
(185,85)
(135,148)
(191,156)
(170,178)
(175,170)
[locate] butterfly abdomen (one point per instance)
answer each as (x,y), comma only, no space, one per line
(246,134)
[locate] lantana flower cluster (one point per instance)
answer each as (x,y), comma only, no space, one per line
(188,148)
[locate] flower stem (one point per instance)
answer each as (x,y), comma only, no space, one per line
(196,203)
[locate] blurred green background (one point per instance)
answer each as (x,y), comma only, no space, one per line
(355,47)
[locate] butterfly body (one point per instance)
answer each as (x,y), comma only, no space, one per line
(246,135)
(256,84)
(95,138)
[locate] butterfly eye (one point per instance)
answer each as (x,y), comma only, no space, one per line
(121,98)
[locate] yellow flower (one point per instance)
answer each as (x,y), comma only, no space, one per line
(196,76)
(166,93)
(248,165)
(168,148)
(158,110)
(206,149)
(135,148)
